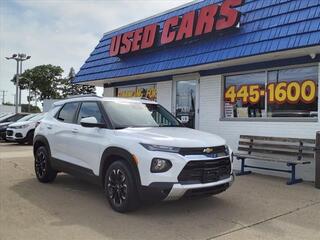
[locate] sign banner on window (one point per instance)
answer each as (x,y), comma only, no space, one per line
(143,91)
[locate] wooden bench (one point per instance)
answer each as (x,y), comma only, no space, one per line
(291,151)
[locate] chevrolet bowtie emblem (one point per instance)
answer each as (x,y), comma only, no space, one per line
(208,150)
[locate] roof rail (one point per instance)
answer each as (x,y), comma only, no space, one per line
(139,98)
(82,95)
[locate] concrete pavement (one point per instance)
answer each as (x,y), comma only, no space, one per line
(256,207)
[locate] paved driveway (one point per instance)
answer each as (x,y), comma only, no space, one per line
(256,207)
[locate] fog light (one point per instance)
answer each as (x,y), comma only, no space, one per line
(160,165)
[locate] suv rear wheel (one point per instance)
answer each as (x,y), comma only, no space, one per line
(120,187)
(42,166)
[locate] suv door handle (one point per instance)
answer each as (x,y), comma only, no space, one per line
(75,130)
(49,127)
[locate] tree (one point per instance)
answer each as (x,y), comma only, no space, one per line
(69,88)
(44,80)
(33,109)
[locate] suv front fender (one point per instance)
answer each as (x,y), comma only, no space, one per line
(114,153)
(40,140)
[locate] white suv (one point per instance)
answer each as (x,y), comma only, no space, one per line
(135,149)
(22,131)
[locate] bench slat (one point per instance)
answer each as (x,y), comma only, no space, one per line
(269,151)
(269,159)
(278,139)
(281,146)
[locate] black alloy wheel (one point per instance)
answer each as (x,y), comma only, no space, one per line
(42,167)
(120,187)
(117,187)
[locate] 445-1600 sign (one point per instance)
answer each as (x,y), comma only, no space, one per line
(281,92)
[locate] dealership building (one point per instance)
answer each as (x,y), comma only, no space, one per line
(230,67)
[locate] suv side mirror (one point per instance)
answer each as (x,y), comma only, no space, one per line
(90,122)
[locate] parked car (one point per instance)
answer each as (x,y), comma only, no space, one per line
(22,131)
(3,115)
(7,120)
(135,149)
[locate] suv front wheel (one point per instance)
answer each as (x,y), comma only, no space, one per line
(42,167)
(120,187)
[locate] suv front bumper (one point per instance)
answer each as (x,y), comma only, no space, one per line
(172,191)
(179,190)
(13,134)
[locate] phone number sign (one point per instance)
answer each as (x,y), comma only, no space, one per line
(276,93)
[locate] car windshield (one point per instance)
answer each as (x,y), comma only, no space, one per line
(5,116)
(137,114)
(27,117)
(37,117)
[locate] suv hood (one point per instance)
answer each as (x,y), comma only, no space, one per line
(16,124)
(172,136)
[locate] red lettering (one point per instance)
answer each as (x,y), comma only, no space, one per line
(126,42)
(230,17)
(194,23)
(149,35)
(114,46)
(168,35)
(137,36)
(186,26)
(206,19)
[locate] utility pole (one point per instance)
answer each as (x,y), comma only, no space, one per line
(19,59)
(20,88)
(29,97)
(4,92)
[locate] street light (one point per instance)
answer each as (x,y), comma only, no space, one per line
(29,97)
(19,59)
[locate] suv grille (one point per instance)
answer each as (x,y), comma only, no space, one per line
(9,133)
(205,171)
(218,151)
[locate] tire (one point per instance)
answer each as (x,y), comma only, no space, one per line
(29,137)
(3,136)
(120,188)
(21,142)
(42,167)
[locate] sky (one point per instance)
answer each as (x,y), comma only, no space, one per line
(63,32)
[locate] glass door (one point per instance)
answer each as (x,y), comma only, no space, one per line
(186,108)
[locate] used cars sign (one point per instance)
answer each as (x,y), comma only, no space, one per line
(209,19)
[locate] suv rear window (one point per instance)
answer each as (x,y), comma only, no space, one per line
(67,112)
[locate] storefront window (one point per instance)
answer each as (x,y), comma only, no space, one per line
(278,93)
(143,91)
(245,95)
(293,92)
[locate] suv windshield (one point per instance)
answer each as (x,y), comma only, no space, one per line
(137,114)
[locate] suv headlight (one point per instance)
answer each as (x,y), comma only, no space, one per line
(21,126)
(152,147)
(159,165)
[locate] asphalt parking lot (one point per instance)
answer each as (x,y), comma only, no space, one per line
(256,207)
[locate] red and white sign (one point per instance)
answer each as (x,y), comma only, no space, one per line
(209,19)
